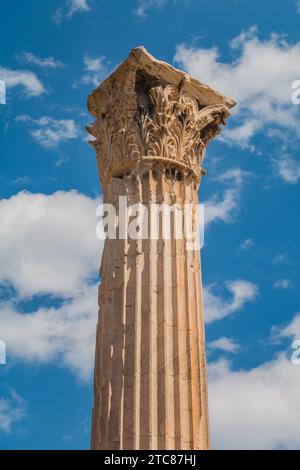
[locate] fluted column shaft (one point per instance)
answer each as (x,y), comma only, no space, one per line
(150,383)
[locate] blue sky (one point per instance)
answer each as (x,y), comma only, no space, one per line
(53,53)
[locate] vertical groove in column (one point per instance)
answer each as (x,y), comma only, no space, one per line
(96,431)
(146,292)
(175,250)
(138,329)
(195,353)
(103,353)
(188,438)
(204,418)
(153,317)
(182,325)
(160,344)
(130,332)
(118,301)
(168,323)
(124,311)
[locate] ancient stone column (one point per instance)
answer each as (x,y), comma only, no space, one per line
(153,124)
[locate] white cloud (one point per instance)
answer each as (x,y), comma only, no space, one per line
(48,244)
(22,78)
(221,209)
(63,335)
(224,344)
(255,409)
(224,208)
(50,132)
(12,409)
(217,307)
(235,175)
(241,135)
(282,284)
(95,70)
(297,3)
(21,181)
(69,9)
(259,77)
(145,5)
(44,63)
(291,330)
(77,6)
(282,258)
(248,243)
(288,168)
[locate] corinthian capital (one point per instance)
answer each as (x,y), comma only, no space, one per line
(148,111)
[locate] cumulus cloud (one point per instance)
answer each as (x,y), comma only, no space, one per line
(48,244)
(20,181)
(288,168)
(246,244)
(292,330)
(77,5)
(217,307)
(223,208)
(12,409)
(64,335)
(257,408)
(282,284)
(95,70)
(50,132)
(282,258)
(69,9)
(224,344)
(242,134)
(259,78)
(44,63)
(145,5)
(25,79)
